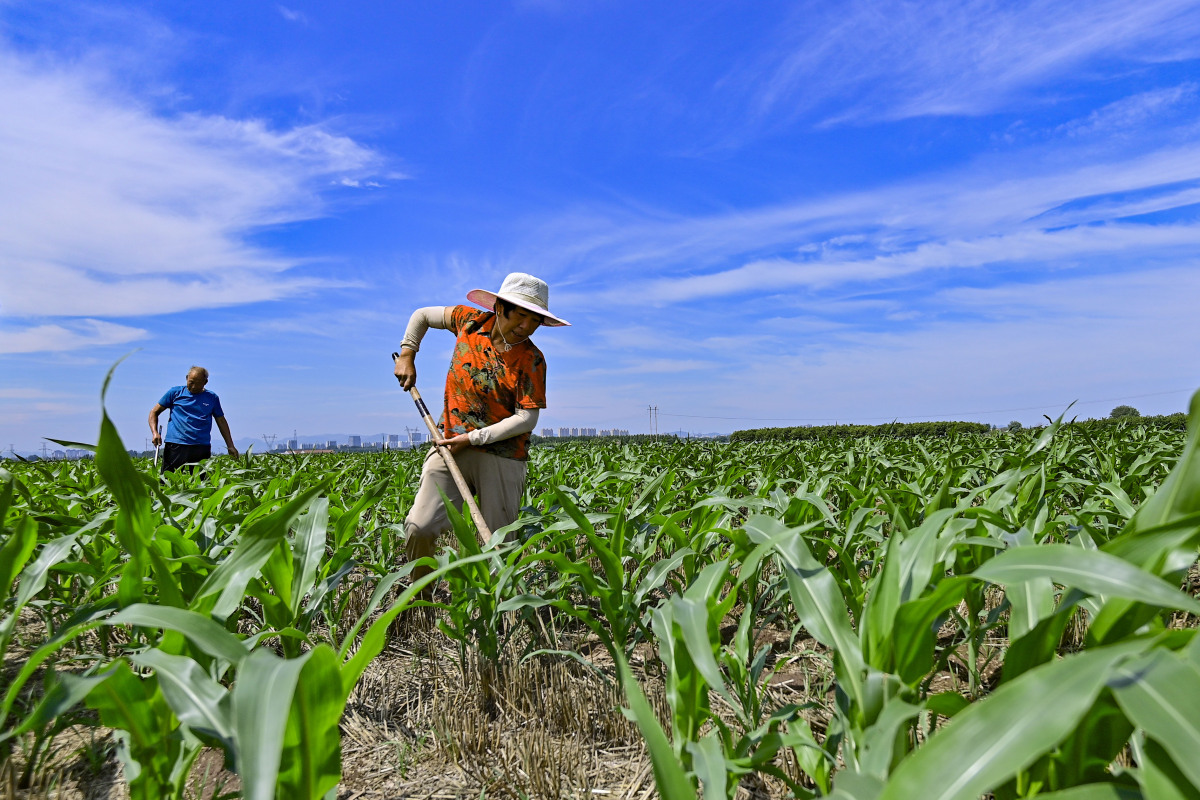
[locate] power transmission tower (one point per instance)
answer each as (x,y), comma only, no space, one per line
(269,438)
(410,432)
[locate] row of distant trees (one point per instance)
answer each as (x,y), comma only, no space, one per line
(1121,415)
(1126,415)
(904,430)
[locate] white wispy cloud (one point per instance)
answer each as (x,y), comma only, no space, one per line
(27,393)
(1030,208)
(51,337)
(113,210)
(1133,111)
(292,15)
(869,59)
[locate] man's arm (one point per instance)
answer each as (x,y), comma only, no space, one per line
(153,420)
(421,320)
(223,427)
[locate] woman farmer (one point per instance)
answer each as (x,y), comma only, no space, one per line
(494,388)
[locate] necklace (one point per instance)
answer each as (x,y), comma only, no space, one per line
(507,346)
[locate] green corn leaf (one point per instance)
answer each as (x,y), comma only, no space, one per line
(708,760)
(227,583)
(819,601)
(261,704)
(913,638)
(347,523)
(1179,494)
(376,636)
(204,632)
(692,618)
(853,785)
(1161,695)
(988,743)
(382,587)
(669,777)
(1158,775)
(309,549)
(197,700)
(78,625)
(66,691)
(15,551)
(1093,571)
(1031,601)
(876,754)
(136,709)
(1095,791)
(312,748)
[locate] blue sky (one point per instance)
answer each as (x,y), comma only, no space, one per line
(753,213)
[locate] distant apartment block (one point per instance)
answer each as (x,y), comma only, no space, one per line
(393,441)
(564,431)
(355,441)
(331,444)
(293,444)
(547,432)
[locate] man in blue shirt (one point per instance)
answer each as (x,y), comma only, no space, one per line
(189,431)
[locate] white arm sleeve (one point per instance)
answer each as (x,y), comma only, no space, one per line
(422,320)
(521,422)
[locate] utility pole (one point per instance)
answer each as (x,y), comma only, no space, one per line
(650,409)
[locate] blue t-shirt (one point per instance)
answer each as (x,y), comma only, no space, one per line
(191,415)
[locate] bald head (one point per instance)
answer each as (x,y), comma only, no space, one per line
(197,378)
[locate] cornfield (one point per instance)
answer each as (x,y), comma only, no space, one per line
(1006,615)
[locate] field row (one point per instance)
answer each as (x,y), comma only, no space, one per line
(987,614)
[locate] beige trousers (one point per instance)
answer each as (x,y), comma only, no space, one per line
(497,482)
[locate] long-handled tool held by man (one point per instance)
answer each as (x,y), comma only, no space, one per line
(485,533)
(156,448)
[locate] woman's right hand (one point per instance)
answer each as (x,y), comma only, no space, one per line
(406,369)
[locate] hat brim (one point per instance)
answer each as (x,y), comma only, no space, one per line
(485,299)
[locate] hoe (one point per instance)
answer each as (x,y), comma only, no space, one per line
(485,533)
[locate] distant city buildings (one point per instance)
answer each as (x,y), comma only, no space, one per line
(354,441)
(549,432)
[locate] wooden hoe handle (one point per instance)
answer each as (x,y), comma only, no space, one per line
(484,532)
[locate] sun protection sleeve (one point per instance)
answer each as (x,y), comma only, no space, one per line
(422,320)
(521,422)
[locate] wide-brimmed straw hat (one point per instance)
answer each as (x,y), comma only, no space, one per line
(521,290)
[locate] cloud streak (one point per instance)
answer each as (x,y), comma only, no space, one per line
(52,337)
(1029,210)
(871,60)
(113,210)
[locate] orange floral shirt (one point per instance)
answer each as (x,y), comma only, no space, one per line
(485,385)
